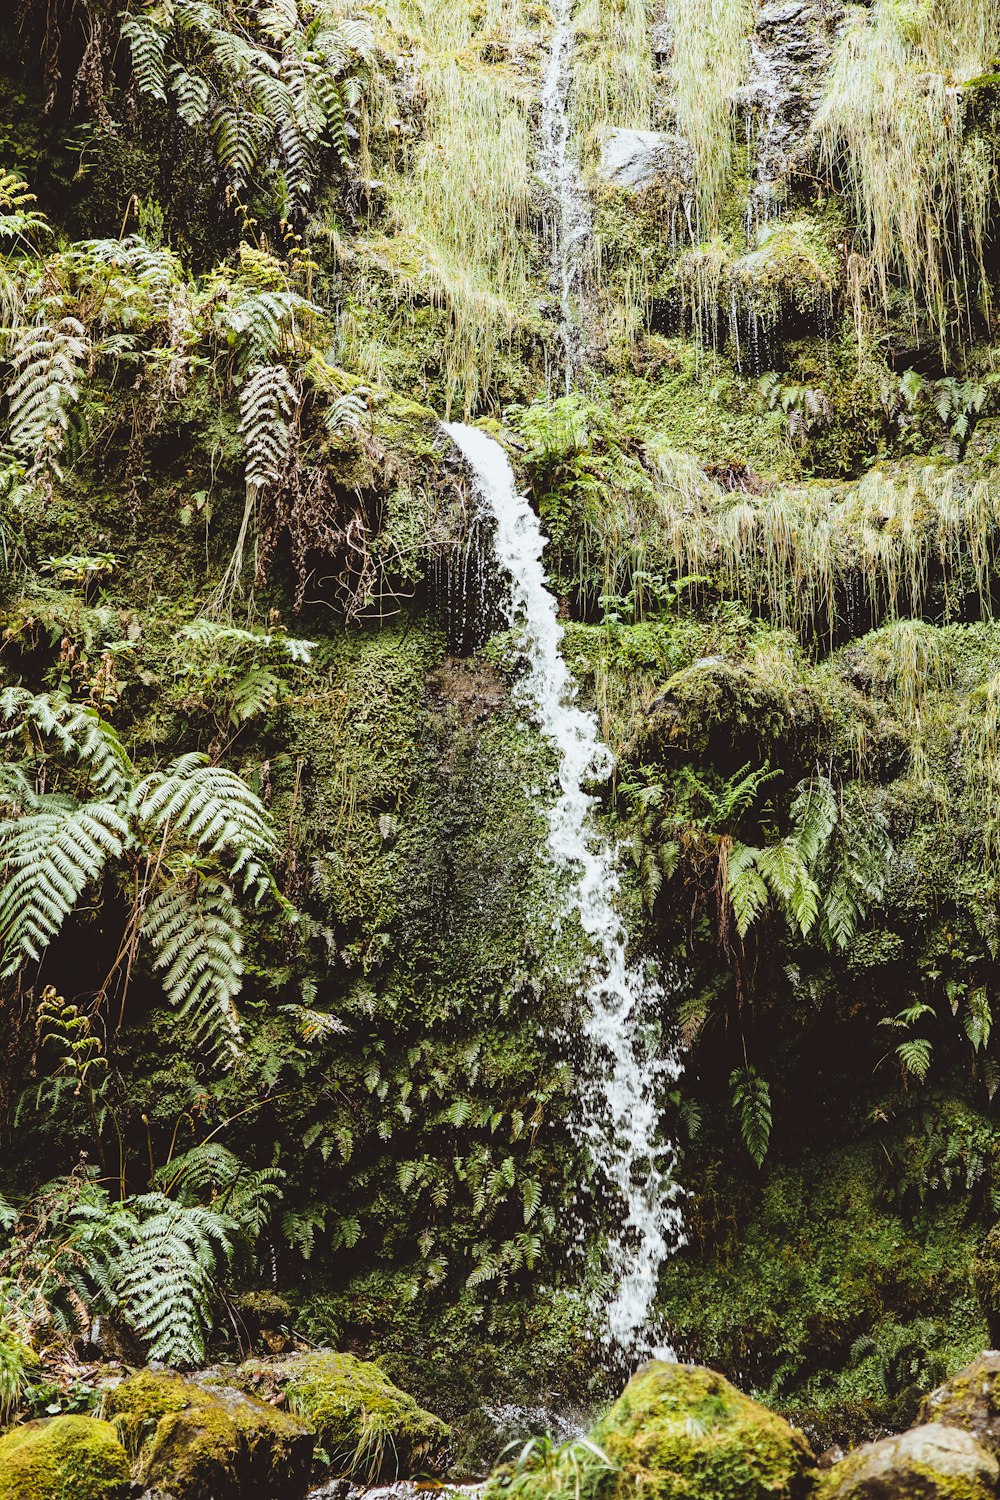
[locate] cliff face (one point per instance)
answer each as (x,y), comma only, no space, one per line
(720,277)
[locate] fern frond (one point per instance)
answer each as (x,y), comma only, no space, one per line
(193,929)
(267,401)
(79,733)
(163,1276)
(751,1096)
(48,858)
(748,894)
(213,810)
(47,366)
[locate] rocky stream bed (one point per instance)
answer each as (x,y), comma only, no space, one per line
(330,1426)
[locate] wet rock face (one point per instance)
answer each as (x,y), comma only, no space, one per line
(637,159)
(932,1462)
(970,1400)
(791,50)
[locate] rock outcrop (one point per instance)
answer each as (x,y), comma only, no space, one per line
(970,1400)
(932,1462)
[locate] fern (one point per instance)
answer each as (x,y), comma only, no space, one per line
(267,402)
(80,735)
(751,1096)
(47,366)
(211,1176)
(48,858)
(193,927)
(193,834)
(746,889)
(163,1263)
(915,1056)
(147,43)
(211,809)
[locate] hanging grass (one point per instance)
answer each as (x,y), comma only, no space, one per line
(460,194)
(710,61)
(612,70)
(892,127)
(811,557)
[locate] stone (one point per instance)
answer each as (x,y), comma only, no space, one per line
(970,1400)
(195,1440)
(932,1462)
(677,1432)
(63,1458)
(366,1426)
(637,159)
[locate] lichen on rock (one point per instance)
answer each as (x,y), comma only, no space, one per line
(932,1462)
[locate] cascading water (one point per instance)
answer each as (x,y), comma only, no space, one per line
(568,222)
(620,1107)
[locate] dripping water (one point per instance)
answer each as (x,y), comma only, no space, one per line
(619,1112)
(568,216)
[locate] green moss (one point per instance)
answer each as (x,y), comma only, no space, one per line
(208,1443)
(63,1458)
(365,1424)
(682,1431)
(678,1432)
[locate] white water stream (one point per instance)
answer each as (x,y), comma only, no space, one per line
(569,209)
(626,1071)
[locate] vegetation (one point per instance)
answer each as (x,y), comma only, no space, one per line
(291,1050)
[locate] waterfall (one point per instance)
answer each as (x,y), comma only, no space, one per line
(569,212)
(619,1107)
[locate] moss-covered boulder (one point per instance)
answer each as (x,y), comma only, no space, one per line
(970,1400)
(63,1458)
(933,1462)
(364,1424)
(209,1442)
(677,1432)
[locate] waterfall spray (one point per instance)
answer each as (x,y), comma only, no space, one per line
(619,1109)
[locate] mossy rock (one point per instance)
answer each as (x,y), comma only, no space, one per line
(970,1400)
(209,1442)
(63,1458)
(364,1424)
(933,1462)
(677,1432)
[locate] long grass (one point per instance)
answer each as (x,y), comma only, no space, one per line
(892,128)
(806,555)
(460,194)
(710,61)
(612,70)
